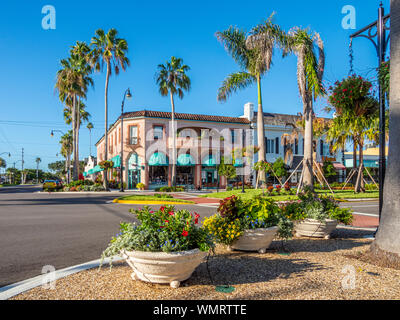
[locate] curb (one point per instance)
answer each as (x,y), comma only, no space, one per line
(150,202)
(17,288)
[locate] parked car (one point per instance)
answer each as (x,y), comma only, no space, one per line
(52,184)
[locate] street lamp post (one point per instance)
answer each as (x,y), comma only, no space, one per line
(128,95)
(380,46)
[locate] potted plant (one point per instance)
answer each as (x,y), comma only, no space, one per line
(316,216)
(166,247)
(248,225)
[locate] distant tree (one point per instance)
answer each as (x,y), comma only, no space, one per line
(3,163)
(226,170)
(57,167)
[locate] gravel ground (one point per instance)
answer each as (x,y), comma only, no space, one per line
(313,269)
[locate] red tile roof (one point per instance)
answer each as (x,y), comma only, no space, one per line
(184,116)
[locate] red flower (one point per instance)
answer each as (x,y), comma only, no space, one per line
(184,233)
(196,218)
(162,208)
(166,221)
(171,213)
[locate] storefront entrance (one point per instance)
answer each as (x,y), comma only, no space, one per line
(209,177)
(185,175)
(133,171)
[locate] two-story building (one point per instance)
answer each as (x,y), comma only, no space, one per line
(277,127)
(201,142)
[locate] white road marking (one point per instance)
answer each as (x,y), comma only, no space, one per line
(366,214)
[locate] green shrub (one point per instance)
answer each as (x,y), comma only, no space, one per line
(236,215)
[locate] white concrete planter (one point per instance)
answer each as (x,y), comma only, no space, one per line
(163,267)
(255,239)
(315,228)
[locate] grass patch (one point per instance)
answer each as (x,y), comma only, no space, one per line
(249,193)
(153,198)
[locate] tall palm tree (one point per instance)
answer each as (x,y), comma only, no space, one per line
(90,127)
(387,244)
(172,79)
(253,53)
(37,160)
(66,150)
(110,50)
(72,84)
(310,70)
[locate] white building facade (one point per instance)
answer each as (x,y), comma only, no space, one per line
(276,125)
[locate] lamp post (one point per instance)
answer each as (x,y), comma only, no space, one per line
(128,95)
(380,45)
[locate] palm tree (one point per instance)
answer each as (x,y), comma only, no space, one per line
(288,140)
(66,150)
(111,51)
(90,127)
(72,84)
(310,71)
(253,53)
(81,116)
(172,79)
(386,245)
(37,160)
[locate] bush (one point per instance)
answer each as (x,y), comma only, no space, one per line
(140,186)
(170,189)
(164,230)
(316,207)
(236,215)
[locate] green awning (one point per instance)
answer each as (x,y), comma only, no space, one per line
(97,169)
(185,160)
(209,161)
(90,171)
(238,163)
(117,161)
(85,174)
(158,159)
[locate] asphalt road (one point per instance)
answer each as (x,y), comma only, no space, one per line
(38,229)
(62,230)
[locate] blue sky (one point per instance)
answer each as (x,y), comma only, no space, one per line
(155,31)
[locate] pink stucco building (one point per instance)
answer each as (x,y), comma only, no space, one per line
(202,140)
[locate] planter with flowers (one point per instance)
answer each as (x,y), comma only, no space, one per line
(316,216)
(248,225)
(166,247)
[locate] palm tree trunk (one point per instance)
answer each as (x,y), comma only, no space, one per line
(173,169)
(354,158)
(105,182)
(75,168)
(387,244)
(308,178)
(359,186)
(77,135)
(260,134)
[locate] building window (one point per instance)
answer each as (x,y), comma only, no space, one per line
(158,132)
(296,146)
(234,136)
(277,145)
(270,145)
(133,135)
